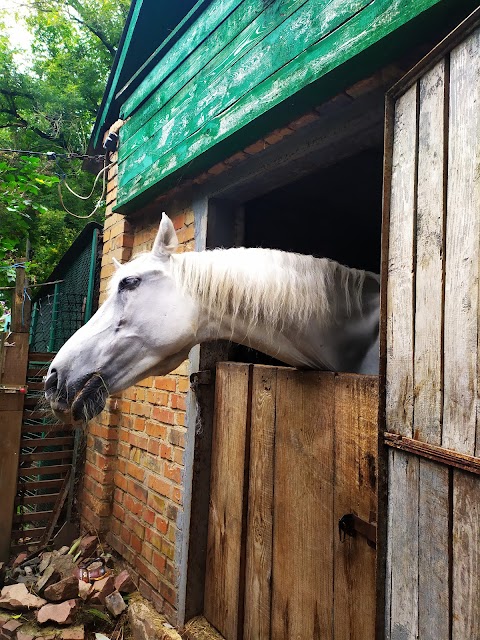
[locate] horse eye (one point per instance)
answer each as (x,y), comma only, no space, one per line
(128,283)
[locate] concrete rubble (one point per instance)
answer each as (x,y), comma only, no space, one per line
(63,594)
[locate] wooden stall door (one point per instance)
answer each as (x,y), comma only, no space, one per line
(430,346)
(293,452)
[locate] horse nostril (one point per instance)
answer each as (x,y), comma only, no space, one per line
(51,380)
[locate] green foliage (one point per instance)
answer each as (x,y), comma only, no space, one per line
(49,97)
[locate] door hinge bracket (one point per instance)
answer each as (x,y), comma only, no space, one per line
(351,525)
(201,377)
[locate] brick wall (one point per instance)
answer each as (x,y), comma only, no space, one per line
(132,489)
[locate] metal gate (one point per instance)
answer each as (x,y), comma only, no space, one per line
(294,452)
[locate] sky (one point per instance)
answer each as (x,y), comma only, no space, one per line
(17,33)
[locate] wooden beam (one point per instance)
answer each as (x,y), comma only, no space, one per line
(432,452)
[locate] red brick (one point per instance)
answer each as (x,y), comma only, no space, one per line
(138,424)
(157,397)
(153,447)
(163,415)
(177,438)
(183,384)
(136,543)
(135,471)
(168,593)
(166,451)
(173,472)
(156,502)
(148,515)
(138,440)
(137,490)
(178,401)
(160,486)
(118,511)
(159,561)
(168,384)
(125,534)
(133,506)
(120,481)
(178,221)
(161,525)
(257,147)
(180,418)
(156,430)
(177,495)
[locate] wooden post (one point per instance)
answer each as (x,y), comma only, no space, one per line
(15,361)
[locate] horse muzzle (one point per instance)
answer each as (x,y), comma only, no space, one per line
(77,402)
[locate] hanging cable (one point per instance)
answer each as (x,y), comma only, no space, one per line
(102,172)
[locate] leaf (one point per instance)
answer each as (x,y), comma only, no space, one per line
(99,614)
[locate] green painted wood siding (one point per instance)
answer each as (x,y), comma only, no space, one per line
(240,60)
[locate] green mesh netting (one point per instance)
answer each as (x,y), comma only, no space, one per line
(56,316)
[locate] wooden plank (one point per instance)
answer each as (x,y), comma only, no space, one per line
(402,555)
(462,250)
(356,419)
(11,422)
(232,40)
(428,380)
(223,596)
(47,470)
(35,516)
(20,303)
(219,87)
(11,401)
(29,501)
(258,577)
(47,428)
(16,357)
(303,529)
(65,454)
(400,285)
(43,443)
(433,552)
(32,534)
(39,356)
(432,452)
(356,34)
(194,37)
(466,557)
(30,485)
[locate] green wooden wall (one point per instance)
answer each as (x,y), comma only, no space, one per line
(235,75)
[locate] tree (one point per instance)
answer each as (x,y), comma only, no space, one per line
(49,105)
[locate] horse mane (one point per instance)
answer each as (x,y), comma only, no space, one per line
(275,287)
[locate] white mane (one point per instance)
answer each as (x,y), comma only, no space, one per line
(274,287)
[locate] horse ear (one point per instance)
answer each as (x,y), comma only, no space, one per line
(116,263)
(166,241)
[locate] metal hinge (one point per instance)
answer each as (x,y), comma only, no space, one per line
(201,377)
(350,525)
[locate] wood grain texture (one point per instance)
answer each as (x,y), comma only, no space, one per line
(258,578)
(429,258)
(275,71)
(232,39)
(466,557)
(403,552)
(11,422)
(303,507)
(433,550)
(195,36)
(400,284)
(462,250)
(274,38)
(356,419)
(226,515)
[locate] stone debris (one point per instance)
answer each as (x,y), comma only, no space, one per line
(124,582)
(63,590)
(59,613)
(9,629)
(101,589)
(16,597)
(54,575)
(115,603)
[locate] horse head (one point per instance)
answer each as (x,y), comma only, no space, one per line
(146,326)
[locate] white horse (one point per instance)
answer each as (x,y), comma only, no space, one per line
(307,312)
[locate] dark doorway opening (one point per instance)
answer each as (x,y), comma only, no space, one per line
(335,212)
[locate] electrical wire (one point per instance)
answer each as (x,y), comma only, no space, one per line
(52,155)
(102,172)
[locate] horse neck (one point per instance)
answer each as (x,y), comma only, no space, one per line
(341,344)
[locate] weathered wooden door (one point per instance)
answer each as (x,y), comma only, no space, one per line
(293,452)
(431,349)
